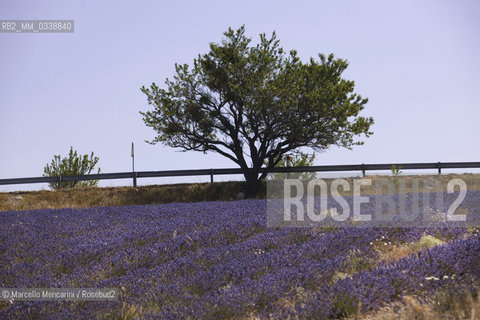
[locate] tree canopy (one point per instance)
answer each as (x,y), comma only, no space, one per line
(253,103)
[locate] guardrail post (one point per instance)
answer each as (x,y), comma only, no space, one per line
(134,179)
(59,182)
(211,175)
(439,168)
(363,170)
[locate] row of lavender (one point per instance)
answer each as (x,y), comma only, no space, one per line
(217,260)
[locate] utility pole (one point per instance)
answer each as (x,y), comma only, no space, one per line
(133,167)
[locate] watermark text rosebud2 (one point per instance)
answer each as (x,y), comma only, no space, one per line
(372,202)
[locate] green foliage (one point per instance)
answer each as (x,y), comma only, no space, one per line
(396,171)
(255,103)
(428,241)
(297,159)
(356,262)
(345,305)
(73,165)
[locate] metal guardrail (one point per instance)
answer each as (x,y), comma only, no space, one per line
(211,172)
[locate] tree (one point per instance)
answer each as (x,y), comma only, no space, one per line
(255,103)
(73,165)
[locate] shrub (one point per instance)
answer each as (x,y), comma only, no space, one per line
(73,165)
(297,159)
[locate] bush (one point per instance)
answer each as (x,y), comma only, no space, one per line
(297,159)
(73,165)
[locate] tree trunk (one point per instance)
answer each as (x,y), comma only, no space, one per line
(253,185)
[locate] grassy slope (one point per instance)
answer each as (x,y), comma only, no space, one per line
(118,196)
(121,196)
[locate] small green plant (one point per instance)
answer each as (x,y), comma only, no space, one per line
(297,159)
(345,305)
(428,241)
(357,262)
(396,171)
(72,165)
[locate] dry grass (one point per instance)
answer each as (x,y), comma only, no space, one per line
(389,252)
(119,196)
(456,306)
(398,252)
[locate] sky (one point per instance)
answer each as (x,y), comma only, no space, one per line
(418,62)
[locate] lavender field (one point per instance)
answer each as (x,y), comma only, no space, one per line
(217,260)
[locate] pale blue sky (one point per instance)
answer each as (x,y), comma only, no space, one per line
(417,62)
